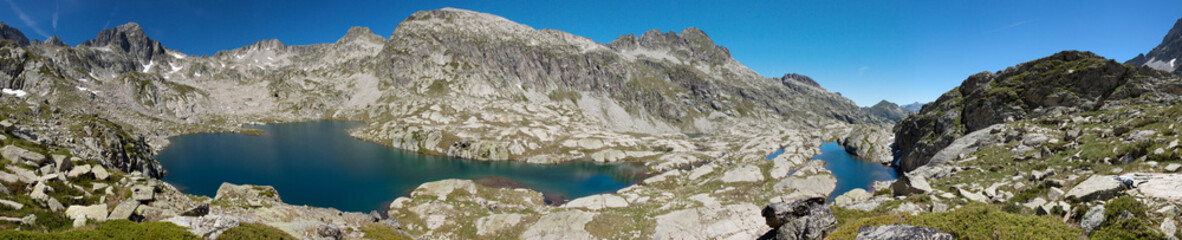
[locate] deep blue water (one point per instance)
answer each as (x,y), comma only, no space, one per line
(319,164)
(851,172)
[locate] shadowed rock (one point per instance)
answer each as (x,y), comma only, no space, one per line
(801,219)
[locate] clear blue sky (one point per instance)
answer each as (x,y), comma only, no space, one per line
(902,51)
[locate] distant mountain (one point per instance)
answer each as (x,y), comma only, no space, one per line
(914,107)
(1166,55)
(1064,83)
(888,110)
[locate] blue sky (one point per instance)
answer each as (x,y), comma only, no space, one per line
(902,51)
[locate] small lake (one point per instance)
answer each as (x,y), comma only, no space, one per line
(851,172)
(319,164)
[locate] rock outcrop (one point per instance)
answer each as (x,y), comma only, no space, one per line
(1165,56)
(901,232)
(801,219)
(1064,83)
(871,142)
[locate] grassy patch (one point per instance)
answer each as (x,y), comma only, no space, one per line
(115,229)
(973,221)
(381,232)
(254,231)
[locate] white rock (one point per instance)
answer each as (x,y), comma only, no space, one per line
(1099,187)
(561,225)
(596,202)
(96,212)
(747,173)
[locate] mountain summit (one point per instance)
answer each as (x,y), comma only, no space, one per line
(11,33)
(128,38)
(1166,55)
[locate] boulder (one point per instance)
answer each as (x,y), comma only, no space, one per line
(973,196)
(329,232)
(908,184)
(900,232)
(78,171)
(143,193)
(853,196)
(54,205)
(801,219)
(1093,218)
(20,155)
(561,225)
(197,211)
(1173,167)
(818,185)
(100,173)
(1097,187)
(596,202)
(1160,186)
(11,204)
(247,192)
(124,210)
(743,174)
(1055,193)
(94,212)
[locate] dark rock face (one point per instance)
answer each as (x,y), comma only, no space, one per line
(1067,82)
(128,38)
(806,80)
(888,110)
(800,219)
(1166,55)
(901,232)
(11,33)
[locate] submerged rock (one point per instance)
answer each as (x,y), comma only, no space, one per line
(800,219)
(901,232)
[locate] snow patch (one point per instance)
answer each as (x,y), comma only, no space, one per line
(83,80)
(149,66)
(175,68)
(17,93)
(177,55)
(80,88)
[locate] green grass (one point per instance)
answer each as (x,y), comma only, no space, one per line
(973,221)
(115,229)
(254,231)
(381,232)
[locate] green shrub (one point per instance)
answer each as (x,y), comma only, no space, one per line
(1132,228)
(114,229)
(254,231)
(973,221)
(381,232)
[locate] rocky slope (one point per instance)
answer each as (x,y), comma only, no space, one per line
(450,82)
(1065,83)
(1165,56)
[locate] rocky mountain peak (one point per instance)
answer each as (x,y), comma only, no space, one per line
(11,33)
(358,33)
(793,77)
(1166,55)
(690,44)
(128,38)
(54,41)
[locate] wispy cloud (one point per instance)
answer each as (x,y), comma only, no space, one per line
(1012,25)
(863,70)
(27,19)
(57,7)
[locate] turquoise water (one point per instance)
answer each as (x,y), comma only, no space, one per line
(319,164)
(851,172)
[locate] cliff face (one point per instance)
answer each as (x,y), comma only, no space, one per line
(1064,83)
(1165,56)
